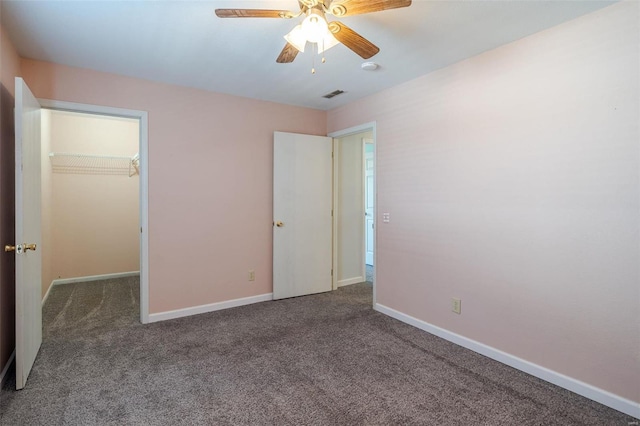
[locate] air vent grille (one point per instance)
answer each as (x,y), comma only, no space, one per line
(333,94)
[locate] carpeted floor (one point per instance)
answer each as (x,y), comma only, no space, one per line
(327,359)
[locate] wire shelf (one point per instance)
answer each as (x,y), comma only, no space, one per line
(94,164)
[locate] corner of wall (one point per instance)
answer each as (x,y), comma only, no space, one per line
(10,63)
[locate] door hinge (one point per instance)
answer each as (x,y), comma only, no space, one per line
(331,212)
(332,272)
(141,229)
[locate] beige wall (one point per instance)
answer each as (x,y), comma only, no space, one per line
(512,182)
(94,216)
(210,179)
(350,214)
(9,69)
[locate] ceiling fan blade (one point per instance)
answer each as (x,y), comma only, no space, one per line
(357,7)
(353,40)
(287,55)
(253,13)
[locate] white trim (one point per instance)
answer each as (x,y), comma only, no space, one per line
(334,214)
(596,394)
(354,130)
(46,295)
(370,126)
(143,116)
(61,281)
(350,281)
(366,141)
(195,310)
(6,368)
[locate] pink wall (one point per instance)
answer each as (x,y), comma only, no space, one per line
(512,182)
(9,62)
(9,69)
(96,216)
(210,179)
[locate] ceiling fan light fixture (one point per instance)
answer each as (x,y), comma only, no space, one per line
(314,29)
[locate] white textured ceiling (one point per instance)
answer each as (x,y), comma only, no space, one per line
(184,43)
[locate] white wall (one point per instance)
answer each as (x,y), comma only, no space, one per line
(350,214)
(512,182)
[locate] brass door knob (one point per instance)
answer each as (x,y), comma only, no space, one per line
(279,224)
(9,248)
(30,247)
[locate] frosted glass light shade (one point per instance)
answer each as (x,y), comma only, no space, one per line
(314,27)
(327,43)
(296,38)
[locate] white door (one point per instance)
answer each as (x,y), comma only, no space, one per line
(302,203)
(368,200)
(27,244)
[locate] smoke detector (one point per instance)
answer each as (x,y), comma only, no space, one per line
(369,66)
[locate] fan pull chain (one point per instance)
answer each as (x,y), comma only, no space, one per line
(313,61)
(323,59)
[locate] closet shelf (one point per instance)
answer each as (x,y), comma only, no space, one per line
(62,162)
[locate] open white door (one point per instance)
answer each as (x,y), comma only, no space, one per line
(302,203)
(27,244)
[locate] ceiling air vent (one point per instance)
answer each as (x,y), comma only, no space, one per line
(333,94)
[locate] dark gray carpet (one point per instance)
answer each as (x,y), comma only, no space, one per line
(326,359)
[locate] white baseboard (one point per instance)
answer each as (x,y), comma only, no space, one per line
(6,368)
(350,281)
(94,278)
(195,310)
(46,295)
(596,394)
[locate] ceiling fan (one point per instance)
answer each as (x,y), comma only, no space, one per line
(315,28)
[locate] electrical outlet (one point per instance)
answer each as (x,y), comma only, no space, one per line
(252,275)
(456,305)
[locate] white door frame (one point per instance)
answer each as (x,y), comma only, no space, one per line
(366,141)
(366,127)
(144,182)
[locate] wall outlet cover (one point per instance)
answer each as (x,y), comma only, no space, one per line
(456,305)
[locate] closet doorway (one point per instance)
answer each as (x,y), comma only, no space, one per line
(94,211)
